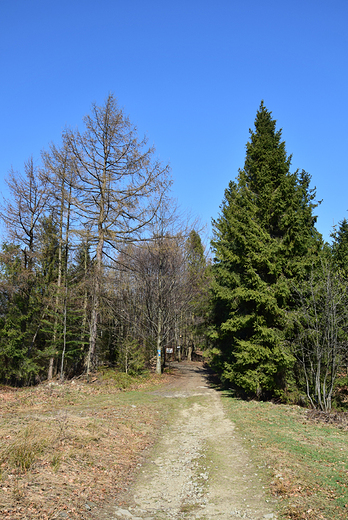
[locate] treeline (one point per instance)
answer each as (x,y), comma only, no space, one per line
(279,318)
(96,267)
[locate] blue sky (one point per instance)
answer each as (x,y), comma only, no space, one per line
(190,75)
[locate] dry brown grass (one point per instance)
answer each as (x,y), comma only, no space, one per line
(67,448)
(339,419)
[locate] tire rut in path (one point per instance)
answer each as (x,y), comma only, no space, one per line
(198,468)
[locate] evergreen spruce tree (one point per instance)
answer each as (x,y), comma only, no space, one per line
(198,274)
(195,252)
(340,246)
(264,240)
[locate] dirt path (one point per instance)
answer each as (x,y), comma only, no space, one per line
(198,469)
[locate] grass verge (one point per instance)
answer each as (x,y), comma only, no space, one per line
(67,448)
(304,462)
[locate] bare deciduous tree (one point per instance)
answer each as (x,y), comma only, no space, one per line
(22,213)
(120,184)
(323,333)
(158,290)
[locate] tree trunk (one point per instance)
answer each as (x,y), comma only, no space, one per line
(159,343)
(189,352)
(95,307)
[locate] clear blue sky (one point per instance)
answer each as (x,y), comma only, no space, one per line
(191,75)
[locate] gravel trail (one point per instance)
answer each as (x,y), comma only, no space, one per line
(198,468)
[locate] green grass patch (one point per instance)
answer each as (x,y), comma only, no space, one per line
(121,379)
(304,463)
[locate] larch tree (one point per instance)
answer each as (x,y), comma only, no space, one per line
(263,239)
(121,187)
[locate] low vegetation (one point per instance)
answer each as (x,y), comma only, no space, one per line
(302,455)
(67,448)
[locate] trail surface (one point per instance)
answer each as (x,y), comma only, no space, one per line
(198,468)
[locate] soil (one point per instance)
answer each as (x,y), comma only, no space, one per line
(198,469)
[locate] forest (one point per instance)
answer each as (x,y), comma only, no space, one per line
(99,268)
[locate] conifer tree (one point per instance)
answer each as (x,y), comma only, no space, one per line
(121,188)
(199,278)
(263,240)
(340,246)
